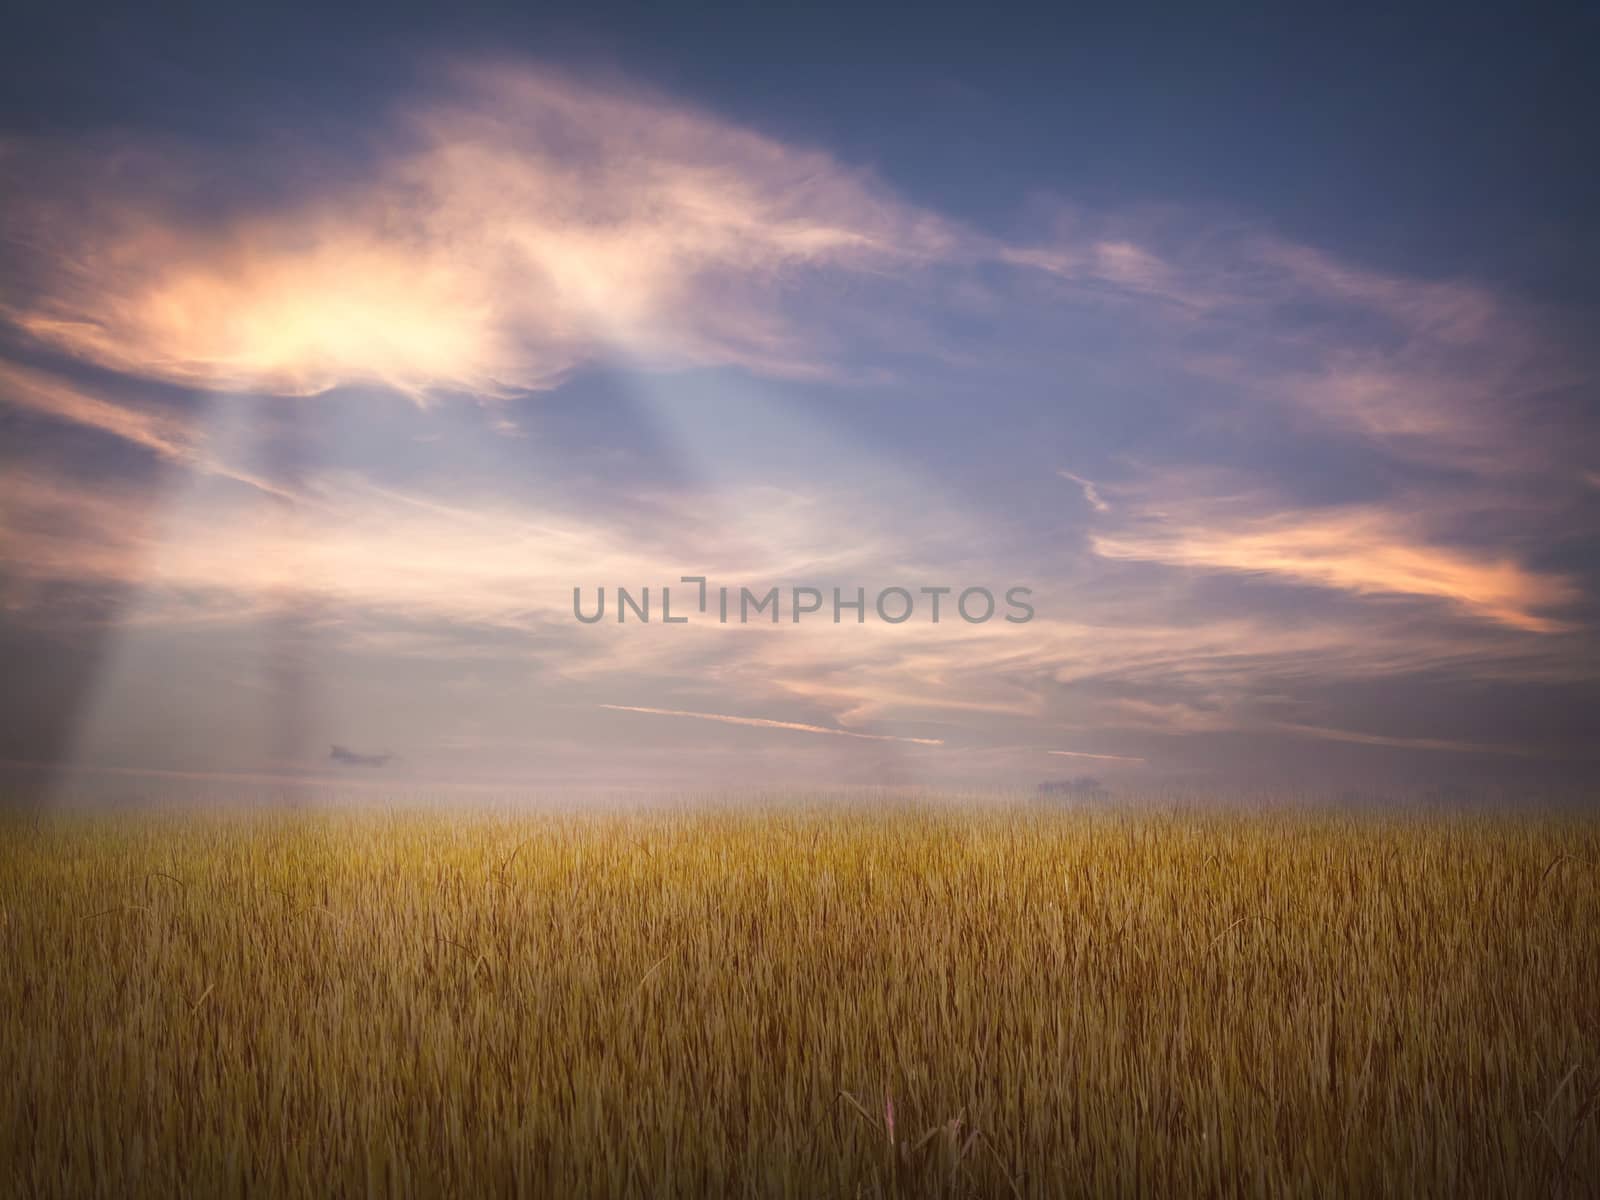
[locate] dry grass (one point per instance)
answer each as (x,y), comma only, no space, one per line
(800,1003)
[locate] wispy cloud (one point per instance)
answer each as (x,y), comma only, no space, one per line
(1091,493)
(1407,743)
(171,438)
(166,436)
(763,723)
(1121,758)
(1368,550)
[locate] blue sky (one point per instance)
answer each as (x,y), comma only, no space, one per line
(335,352)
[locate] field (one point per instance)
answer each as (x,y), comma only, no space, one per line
(804,1001)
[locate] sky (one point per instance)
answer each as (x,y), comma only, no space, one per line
(338,350)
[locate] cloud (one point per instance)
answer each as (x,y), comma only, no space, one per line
(166,436)
(1364,549)
(169,437)
(1407,743)
(1121,758)
(1091,493)
(55,530)
(763,723)
(511,226)
(1443,372)
(1453,311)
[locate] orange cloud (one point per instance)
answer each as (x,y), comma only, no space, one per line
(164,435)
(509,231)
(1368,551)
(168,437)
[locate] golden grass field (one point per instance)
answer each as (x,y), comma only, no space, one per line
(816,1001)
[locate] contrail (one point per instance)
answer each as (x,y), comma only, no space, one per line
(764,723)
(1085,754)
